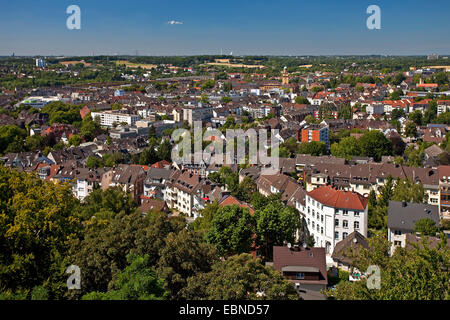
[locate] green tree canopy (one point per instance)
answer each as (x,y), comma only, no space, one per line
(240,277)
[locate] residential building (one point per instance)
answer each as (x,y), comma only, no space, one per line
(315,132)
(402,217)
(333,214)
(112,118)
(304,267)
(444,192)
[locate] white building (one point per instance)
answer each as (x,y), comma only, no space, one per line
(40,63)
(39,102)
(109,118)
(375,109)
(402,217)
(333,214)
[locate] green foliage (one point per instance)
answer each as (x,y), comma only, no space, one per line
(231,230)
(184,255)
(346,148)
(101,252)
(275,223)
(406,190)
(415,273)
(60,112)
(314,148)
(138,281)
(371,144)
(375,144)
(426,227)
(36,220)
(75,140)
(240,277)
(301,100)
(411,130)
(11,139)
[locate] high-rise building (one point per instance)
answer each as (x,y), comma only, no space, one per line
(40,63)
(314,132)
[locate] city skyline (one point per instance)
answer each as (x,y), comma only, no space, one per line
(179,28)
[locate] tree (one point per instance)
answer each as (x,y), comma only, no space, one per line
(315,148)
(240,277)
(411,130)
(75,140)
(231,230)
(35,142)
(152,132)
(101,252)
(184,255)
(138,281)
(164,151)
(11,138)
(301,100)
(37,218)
(89,128)
(246,189)
(275,224)
(397,113)
(375,144)
(309,119)
(426,227)
(406,190)
(416,117)
(203,223)
(346,148)
(226,99)
(417,272)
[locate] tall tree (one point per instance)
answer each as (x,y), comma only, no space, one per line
(138,281)
(240,277)
(231,230)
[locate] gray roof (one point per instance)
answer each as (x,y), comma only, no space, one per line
(404,217)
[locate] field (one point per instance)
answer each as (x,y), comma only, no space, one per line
(136,65)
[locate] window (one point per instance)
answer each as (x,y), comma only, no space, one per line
(398,232)
(344,235)
(336,222)
(321,218)
(356,224)
(336,235)
(318,228)
(356,213)
(345,212)
(321,230)
(309,222)
(313,225)
(313,213)
(397,243)
(345,223)
(300,276)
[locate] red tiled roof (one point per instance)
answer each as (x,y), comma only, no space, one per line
(329,196)
(230,200)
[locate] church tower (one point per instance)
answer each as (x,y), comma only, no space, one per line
(285,77)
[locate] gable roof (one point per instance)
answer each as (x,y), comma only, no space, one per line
(353,241)
(301,257)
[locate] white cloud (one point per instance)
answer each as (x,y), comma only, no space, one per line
(172,22)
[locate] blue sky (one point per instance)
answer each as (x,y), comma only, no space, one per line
(245,27)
